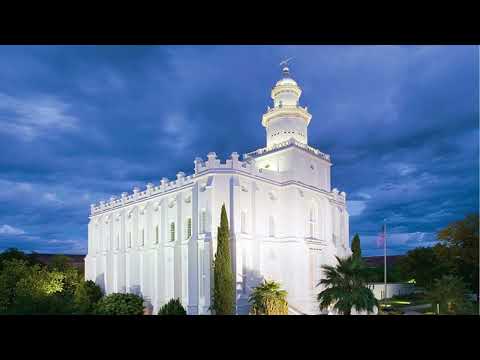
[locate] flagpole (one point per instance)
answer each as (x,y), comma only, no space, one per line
(385,258)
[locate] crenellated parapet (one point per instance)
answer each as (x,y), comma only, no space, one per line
(138,194)
(340,197)
(212,163)
(234,163)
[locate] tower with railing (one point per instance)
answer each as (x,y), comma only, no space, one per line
(287,119)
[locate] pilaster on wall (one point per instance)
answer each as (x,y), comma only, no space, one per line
(178,249)
(194,273)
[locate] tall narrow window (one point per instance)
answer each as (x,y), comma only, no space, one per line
(189,228)
(143,237)
(203,221)
(243,222)
(117,244)
(311,223)
(157,235)
(129,239)
(271,227)
(172,231)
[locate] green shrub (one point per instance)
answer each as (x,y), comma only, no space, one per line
(120,304)
(87,295)
(173,307)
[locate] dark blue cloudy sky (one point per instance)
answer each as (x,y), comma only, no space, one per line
(81,123)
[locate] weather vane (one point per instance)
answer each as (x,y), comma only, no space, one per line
(285,62)
(286,70)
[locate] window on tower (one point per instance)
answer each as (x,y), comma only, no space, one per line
(243,222)
(189,228)
(203,221)
(271,226)
(311,223)
(172,231)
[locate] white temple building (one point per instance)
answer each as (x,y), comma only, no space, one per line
(285,221)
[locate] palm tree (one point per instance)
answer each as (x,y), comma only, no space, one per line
(346,287)
(268,299)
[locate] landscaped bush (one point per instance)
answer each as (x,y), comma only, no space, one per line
(120,304)
(173,307)
(87,295)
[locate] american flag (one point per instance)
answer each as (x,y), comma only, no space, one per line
(381,237)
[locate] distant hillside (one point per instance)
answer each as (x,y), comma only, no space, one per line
(75,260)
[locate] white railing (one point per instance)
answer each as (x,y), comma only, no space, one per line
(285,144)
(286,107)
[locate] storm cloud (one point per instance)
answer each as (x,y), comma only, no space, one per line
(79,124)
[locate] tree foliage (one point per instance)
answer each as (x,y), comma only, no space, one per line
(223,301)
(173,307)
(87,295)
(60,263)
(120,304)
(423,265)
(450,293)
(458,249)
(41,292)
(13,270)
(29,287)
(356,249)
(268,299)
(346,287)
(15,254)
(394,274)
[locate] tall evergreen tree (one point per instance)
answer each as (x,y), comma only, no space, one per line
(356,249)
(223,302)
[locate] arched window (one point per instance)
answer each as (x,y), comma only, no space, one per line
(271,226)
(172,231)
(189,228)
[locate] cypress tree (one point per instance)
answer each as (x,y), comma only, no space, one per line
(223,302)
(356,250)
